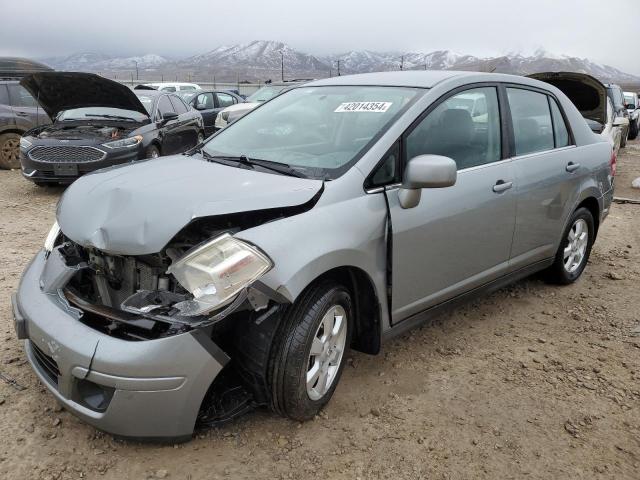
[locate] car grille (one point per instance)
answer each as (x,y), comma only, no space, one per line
(46,363)
(66,154)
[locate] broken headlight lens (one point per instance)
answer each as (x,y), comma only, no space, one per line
(124,143)
(216,272)
(52,236)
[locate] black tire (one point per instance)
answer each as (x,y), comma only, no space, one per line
(152,151)
(290,355)
(633,130)
(9,150)
(38,183)
(558,272)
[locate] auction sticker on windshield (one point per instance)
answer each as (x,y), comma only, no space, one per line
(375,107)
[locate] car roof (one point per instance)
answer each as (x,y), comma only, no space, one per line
(149,93)
(405,78)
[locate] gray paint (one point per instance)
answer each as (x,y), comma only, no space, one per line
(454,240)
(136,210)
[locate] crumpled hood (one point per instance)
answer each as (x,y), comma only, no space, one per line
(59,91)
(138,208)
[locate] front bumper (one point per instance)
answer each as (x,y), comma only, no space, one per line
(145,390)
(39,171)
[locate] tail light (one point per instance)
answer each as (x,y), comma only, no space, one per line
(613,163)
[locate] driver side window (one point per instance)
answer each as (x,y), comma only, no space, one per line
(464,127)
(164,106)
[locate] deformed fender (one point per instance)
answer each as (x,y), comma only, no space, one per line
(350,233)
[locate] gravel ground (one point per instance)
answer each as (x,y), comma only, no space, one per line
(534,381)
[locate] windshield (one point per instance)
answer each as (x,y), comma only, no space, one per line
(90,113)
(265,93)
(318,130)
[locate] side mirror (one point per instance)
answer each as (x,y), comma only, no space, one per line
(426,171)
(168,116)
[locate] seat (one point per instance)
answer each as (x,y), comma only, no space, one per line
(453,138)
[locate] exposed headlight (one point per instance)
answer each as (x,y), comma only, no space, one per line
(124,143)
(216,272)
(24,143)
(52,236)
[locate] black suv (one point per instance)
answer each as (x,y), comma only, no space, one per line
(19,111)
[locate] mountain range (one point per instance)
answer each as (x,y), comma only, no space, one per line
(260,60)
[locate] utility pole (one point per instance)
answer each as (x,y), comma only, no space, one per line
(338,62)
(282,65)
(162,77)
(402,62)
(136,68)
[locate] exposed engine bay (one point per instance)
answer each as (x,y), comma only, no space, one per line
(81,132)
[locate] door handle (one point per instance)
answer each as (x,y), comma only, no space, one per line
(502,186)
(572,167)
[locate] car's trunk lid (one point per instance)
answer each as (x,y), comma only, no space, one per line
(587,93)
(59,91)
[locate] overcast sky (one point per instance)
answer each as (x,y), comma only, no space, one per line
(606,31)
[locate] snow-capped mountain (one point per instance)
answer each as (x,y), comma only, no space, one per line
(261,60)
(96,62)
(259,54)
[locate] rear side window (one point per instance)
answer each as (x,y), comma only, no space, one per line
(225,100)
(465,127)
(531,117)
(178,105)
(560,131)
(4,95)
(20,97)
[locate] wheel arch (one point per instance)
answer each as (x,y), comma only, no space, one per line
(591,203)
(366,337)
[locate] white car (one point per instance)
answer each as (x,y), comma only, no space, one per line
(633,107)
(234,112)
(173,86)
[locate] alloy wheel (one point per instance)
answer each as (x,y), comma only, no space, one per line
(326,352)
(576,248)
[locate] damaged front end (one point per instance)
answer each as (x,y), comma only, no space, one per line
(192,284)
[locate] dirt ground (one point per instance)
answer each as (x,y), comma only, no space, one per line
(534,381)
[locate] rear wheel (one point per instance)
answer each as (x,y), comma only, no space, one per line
(309,354)
(575,248)
(152,152)
(9,150)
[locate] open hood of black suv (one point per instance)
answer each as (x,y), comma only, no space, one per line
(587,93)
(59,91)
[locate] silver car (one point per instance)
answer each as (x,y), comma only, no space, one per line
(186,291)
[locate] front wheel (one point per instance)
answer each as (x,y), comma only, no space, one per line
(152,152)
(575,248)
(9,150)
(623,141)
(310,351)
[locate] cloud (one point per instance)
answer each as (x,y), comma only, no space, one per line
(601,31)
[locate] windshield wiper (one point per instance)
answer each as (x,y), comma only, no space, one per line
(114,117)
(281,168)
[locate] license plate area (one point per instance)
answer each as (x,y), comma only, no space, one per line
(65,169)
